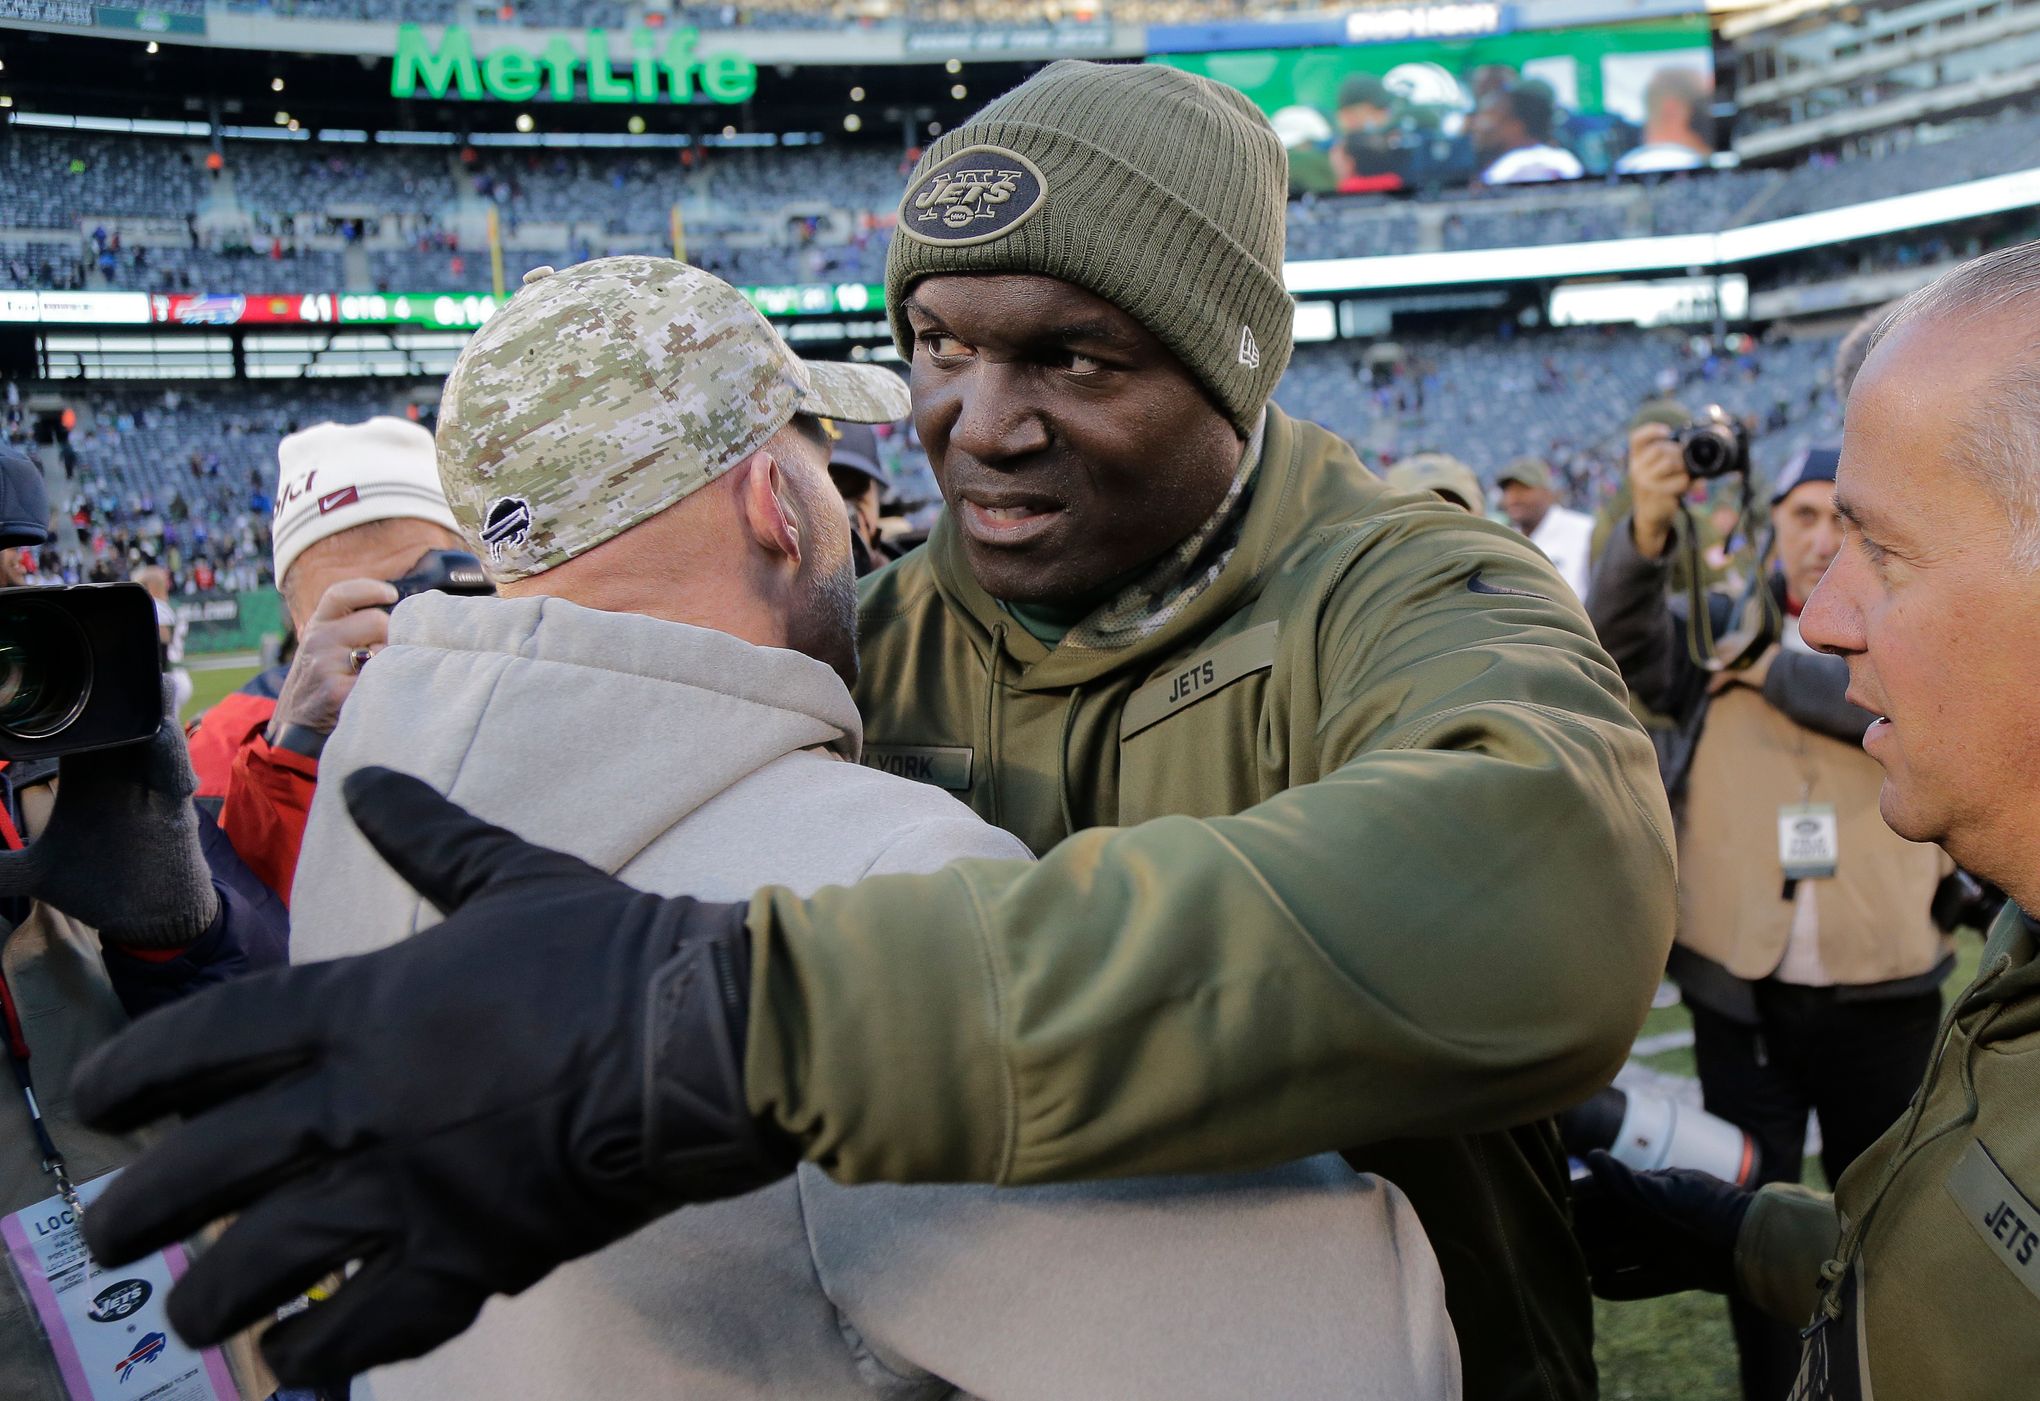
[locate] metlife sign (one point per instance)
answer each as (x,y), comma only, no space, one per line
(451,66)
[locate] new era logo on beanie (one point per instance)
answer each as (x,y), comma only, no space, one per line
(1160,191)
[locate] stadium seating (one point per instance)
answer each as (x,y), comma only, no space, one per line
(1564,395)
(784,14)
(755,215)
(182,476)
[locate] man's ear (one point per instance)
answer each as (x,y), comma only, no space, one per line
(765,499)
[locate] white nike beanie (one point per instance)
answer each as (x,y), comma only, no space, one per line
(335,476)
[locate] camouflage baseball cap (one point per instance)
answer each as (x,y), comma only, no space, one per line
(1441,473)
(599,396)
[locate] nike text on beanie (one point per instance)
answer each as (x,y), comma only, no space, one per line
(1160,191)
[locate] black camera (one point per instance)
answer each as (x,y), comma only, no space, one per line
(1962,901)
(444,571)
(1714,444)
(80,668)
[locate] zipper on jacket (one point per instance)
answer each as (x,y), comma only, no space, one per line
(991,718)
(1851,1244)
(1062,760)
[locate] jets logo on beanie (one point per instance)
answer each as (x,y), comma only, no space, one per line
(978,194)
(1158,190)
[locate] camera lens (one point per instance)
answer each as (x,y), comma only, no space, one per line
(1706,453)
(45,669)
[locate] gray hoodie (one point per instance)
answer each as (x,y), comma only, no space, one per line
(686,760)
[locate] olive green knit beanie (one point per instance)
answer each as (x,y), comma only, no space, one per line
(1160,191)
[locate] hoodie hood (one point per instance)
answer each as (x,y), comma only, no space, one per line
(491,700)
(2009,980)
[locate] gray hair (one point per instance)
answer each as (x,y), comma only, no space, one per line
(1855,348)
(2001,441)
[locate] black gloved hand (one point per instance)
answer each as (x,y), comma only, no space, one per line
(556,1064)
(1651,1233)
(121,850)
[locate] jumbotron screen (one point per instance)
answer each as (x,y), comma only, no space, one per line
(1501,109)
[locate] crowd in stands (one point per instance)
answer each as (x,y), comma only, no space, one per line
(778,215)
(783,14)
(1565,396)
(184,478)
(171,477)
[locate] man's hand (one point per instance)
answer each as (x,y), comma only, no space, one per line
(121,851)
(556,1064)
(1658,480)
(1651,1233)
(350,615)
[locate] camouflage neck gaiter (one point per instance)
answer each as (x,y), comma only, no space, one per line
(1159,596)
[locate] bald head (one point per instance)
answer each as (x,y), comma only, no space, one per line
(1975,334)
(155,579)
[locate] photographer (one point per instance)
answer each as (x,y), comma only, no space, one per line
(116,896)
(357,505)
(854,468)
(1813,974)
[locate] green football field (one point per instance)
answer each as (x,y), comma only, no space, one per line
(213,681)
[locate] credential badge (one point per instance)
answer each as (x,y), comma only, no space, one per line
(978,194)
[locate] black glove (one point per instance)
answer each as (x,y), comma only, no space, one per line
(121,850)
(556,1064)
(1651,1233)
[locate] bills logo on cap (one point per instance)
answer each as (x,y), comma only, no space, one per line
(507,523)
(978,194)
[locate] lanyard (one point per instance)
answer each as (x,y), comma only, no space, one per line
(17,1056)
(17,1042)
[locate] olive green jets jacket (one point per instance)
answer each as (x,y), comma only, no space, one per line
(1921,1275)
(1363,850)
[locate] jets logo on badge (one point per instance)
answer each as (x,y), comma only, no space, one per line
(119,1299)
(978,194)
(507,523)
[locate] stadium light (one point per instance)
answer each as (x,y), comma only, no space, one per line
(857,94)
(524,122)
(6,102)
(853,122)
(934,128)
(636,125)
(955,65)
(283,119)
(153,47)
(276,85)
(959,92)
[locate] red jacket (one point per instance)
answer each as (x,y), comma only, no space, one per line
(263,795)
